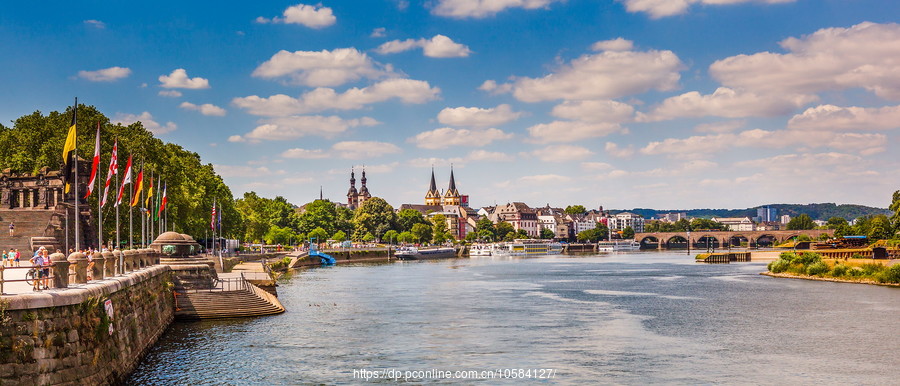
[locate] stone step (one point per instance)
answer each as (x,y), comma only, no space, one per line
(214,305)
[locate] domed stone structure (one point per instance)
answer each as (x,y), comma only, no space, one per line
(180,253)
(175,245)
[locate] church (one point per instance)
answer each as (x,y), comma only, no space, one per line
(449,197)
(356,198)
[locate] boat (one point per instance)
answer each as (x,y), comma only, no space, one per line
(481,250)
(618,245)
(413,253)
(527,247)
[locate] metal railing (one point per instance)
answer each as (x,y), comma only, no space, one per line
(30,276)
(232,284)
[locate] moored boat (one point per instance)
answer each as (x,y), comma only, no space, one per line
(618,245)
(527,247)
(413,253)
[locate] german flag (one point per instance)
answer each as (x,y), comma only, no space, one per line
(69,150)
(138,188)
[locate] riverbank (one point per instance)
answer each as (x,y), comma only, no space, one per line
(832,279)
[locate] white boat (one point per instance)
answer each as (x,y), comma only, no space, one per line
(481,250)
(618,245)
(413,253)
(527,247)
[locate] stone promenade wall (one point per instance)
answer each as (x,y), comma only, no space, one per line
(66,337)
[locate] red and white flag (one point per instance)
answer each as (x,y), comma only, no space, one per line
(162,204)
(212,221)
(113,169)
(125,181)
(95,164)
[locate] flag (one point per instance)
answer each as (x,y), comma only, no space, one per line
(125,181)
(149,199)
(219,219)
(162,202)
(212,221)
(113,169)
(138,188)
(94,165)
(69,150)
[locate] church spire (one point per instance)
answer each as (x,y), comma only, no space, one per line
(451,196)
(352,194)
(433,196)
(452,187)
(433,186)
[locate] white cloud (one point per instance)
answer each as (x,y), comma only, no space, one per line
(596,166)
(95,23)
(205,109)
(704,145)
(321,68)
(106,74)
(378,33)
(570,131)
(545,179)
(799,162)
(493,88)
(170,93)
(312,16)
(293,127)
(245,171)
(484,155)
(298,153)
(617,44)
(594,111)
(605,75)
(320,99)
(483,8)
(663,8)
(866,56)
(364,149)
(180,79)
(446,137)
(728,103)
(473,156)
(562,153)
(477,117)
(236,138)
(147,120)
(614,150)
(830,117)
(720,127)
(438,46)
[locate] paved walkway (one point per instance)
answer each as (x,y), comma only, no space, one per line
(19,287)
(252,270)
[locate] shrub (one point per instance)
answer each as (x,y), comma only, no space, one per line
(857,256)
(839,270)
(779,266)
(871,269)
(889,275)
(817,268)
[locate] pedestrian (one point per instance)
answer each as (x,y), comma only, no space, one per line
(18,256)
(5,257)
(12,229)
(46,255)
(38,262)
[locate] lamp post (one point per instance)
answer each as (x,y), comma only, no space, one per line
(689,240)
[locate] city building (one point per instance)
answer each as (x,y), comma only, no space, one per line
(786,219)
(766,214)
(624,220)
(672,217)
(521,216)
(450,197)
(356,198)
(739,224)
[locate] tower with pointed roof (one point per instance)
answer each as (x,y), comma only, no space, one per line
(363,190)
(352,194)
(433,196)
(451,196)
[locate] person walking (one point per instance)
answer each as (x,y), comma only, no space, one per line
(18,256)
(12,229)
(4,256)
(38,262)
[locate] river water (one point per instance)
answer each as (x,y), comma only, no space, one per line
(633,318)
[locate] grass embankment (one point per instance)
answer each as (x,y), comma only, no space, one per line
(811,265)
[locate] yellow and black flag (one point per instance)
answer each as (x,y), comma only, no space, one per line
(69,150)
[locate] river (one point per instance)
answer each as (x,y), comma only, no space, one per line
(649,317)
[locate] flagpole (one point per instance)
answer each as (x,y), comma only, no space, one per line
(99,201)
(130,220)
(118,240)
(75,154)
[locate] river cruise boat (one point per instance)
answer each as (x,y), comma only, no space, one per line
(481,250)
(413,253)
(618,245)
(527,248)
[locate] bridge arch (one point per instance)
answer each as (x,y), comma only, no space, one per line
(676,239)
(766,239)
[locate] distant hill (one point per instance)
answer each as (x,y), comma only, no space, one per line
(822,211)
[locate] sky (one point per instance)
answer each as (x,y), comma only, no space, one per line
(666,104)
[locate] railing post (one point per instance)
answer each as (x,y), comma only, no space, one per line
(60,270)
(2,267)
(109,266)
(80,262)
(120,261)
(99,262)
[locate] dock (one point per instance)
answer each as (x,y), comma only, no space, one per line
(724,257)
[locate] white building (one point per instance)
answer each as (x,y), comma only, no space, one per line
(624,220)
(739,224)
(672,217)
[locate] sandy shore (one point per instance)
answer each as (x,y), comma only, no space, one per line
(807,277)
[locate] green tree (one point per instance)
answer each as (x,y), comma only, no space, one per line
(880,228)
(602,231)
(374,216)
(318,235)
(439,230)
(586,236)
(390,236)
(510,236)
(471,236)
(628,233)
(406,218)
(547,233)
(801,222)
(895,208)
(406,237)
(503,228)
(368,237)
(318,214)
(703,223)
(522,234)
(280,235)
(486,235)
(483,225)
(421,233)
(575,209)
(339,236)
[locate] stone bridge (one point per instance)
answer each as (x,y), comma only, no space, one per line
(724,238)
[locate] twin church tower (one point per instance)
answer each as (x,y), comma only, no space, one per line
(355,198)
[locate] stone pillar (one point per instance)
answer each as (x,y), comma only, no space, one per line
(119,261)
(79,260)
(60,270)
(98,270)
(109,266)
(139,258)
(129,260)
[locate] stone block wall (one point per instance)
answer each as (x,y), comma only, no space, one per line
(59,337)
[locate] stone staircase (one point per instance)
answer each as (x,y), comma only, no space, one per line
(30,223)
(226,304)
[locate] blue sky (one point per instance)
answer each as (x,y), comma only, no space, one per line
(621,103)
